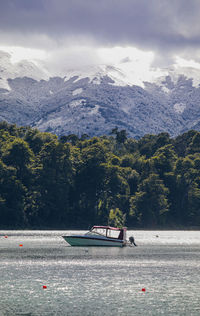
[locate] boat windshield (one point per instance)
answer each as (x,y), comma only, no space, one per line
(113,233)
(98,231)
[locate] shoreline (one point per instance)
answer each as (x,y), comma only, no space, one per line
(191,228)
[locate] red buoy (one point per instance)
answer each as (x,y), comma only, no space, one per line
(44,287)
(143,289)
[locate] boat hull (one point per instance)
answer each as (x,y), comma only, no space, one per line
(79,241)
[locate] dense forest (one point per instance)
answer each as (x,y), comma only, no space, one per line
(76,182)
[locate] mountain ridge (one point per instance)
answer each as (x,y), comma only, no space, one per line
(94,105)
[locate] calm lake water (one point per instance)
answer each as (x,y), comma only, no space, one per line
(99,281)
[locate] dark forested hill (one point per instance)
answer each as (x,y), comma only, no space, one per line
(75,182)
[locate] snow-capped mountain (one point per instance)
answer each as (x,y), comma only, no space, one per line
(95,100)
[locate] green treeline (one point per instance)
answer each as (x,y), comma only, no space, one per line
(72,182)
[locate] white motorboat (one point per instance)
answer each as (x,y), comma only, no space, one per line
(104,236)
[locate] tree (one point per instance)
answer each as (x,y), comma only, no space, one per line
(52,186)
(194,204)
(183,142)
(186,177)
(164,159)
(194,146)
(133,181)
(115,190)
(37,139)
(116,218)
(12,195)
(149,205)
(19,155)
(72,138)
(88,183)
(121,136)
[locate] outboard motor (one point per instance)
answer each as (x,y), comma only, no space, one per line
(132,241)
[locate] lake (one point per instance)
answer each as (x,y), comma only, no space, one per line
(159,277)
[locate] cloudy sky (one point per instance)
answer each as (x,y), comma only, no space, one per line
(141,37)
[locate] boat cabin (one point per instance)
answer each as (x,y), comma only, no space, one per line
(109,232)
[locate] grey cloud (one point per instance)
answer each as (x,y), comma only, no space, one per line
(158,25)
(71,58)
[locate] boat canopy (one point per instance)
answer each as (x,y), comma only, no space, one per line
(108,227)
(110,232)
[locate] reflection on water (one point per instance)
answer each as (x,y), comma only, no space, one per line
(99,281)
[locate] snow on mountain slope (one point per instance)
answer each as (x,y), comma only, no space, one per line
(99,74)
(95,100)
(20,69)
